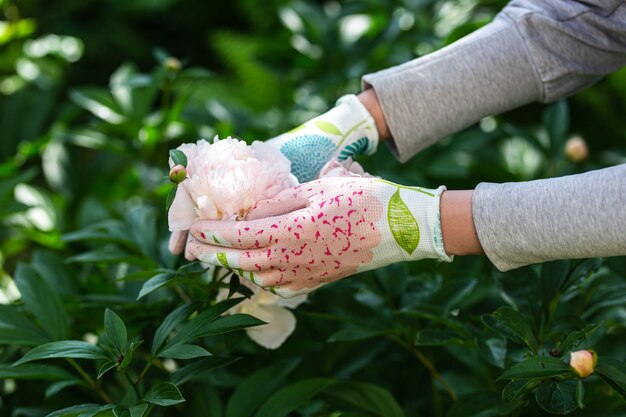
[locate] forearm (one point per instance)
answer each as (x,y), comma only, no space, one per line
(457,224)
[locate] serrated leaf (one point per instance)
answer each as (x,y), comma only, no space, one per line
(164,394)
(537,367)
(170,322)
(63,349)
(115,331)
(613,372)
(557,397)
(327,127)
(178,157)
(512,325)
(155,283)
(184,351)
(402,224)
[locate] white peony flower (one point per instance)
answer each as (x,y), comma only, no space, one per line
(225,179)
(271,309)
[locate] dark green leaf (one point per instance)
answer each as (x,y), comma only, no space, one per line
(164,394)
(16,329)
(356,396)
(556,121)
(514,388)
(33,371)
(512,325)
(553,276)
(56,387)
(184,351)
(581,339)
(72,411)
(493,350)
(178,157)
(233,285)
(96,411)
(100,103)
(42,301)
(138,410)
(537,367)
(613,372)
(481,404)
(63,349)
(293,397)
(557,397)
(256,388)
(582,271)
(437,336)
(115,331)
(170,322)
(170,197)
(155,282)
(200,367)
(105,367)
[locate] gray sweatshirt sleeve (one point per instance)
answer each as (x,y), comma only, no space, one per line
(532,51)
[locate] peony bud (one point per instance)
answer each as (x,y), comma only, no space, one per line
(576,149)
(172,64)
(178,174)
(583,362)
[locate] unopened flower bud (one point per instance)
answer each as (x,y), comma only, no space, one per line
(172,64)
(576,149)
(583,362)
(178,173)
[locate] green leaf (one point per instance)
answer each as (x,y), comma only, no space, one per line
(99,102)
(33,371)
(516,387)
(613,372)
(72,411)
(437,336)
(178,157)
(164,394)
(42,301)
(581,339)
(512,325)
(493,350)
(184,351)
(198,326)
(96,411)
(169,324)
(537,367)
(200,367)
(16,329)
(556,121)
(293,397)
(481,404)
(63,349)
(581,271)
(56,387)
(170,197)
(155,283)
(254,389)
(115,331)
(105,367)
(327,127)
(557,397)
(402,224)
(233,285)
(138,410)
(368,398)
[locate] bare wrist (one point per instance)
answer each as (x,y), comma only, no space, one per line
(369,99)
(457,224)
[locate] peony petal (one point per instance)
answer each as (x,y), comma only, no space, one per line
(292,302)
(281,323)
(182,212)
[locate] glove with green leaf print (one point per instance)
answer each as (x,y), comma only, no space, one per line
(344,131)
(324,230)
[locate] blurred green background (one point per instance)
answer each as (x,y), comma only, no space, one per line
(94,93)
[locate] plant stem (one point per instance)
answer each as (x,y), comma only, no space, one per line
(89,380)
(133,384)
(143,372)
(428,365)
(181,293)
(148,410)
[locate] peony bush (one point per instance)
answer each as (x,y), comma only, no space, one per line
(98,318)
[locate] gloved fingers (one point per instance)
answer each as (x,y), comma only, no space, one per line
(188,246)
(214,255)
(177,242)
(283,203)
(232,234)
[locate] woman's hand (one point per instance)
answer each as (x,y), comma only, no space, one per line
(321,231)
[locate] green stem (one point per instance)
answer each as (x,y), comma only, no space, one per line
(406,187)
(148,410)
(144,372)
(352,129)
(133,384)
(89,380)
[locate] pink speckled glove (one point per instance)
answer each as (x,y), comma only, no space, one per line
(324,230)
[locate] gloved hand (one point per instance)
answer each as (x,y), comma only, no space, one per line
(324,230)
(344,131)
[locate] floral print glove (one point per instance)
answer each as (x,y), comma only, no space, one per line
(344,131)
(321,231)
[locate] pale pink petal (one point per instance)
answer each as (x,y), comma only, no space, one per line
(182,212)
(281,323)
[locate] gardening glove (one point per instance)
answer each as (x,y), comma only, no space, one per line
(321,231)
(344,131)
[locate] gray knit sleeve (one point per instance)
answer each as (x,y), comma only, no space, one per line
(532,51)
(576,216)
